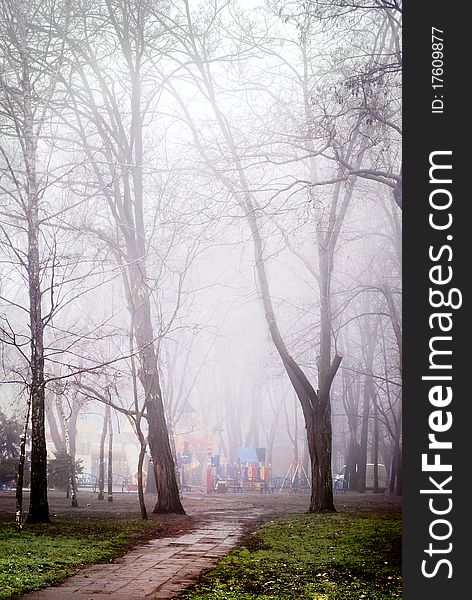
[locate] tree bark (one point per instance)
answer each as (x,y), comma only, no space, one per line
(364,435)
(375,448)
(125,199)
(316,407)
(21,470)
(38,507)
(168,495)
(351,474)
(139,431)
(54,430)
(71,457)
(110,458)
(142,503)
(101,457)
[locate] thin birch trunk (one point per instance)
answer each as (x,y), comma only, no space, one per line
(101,458)
(110,458)
(70,459)
(21,470)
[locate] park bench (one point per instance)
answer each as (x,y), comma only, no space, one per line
(86,480)
(340,486)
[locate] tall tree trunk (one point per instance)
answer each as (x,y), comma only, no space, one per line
(351,474)
(110,458)
(168,495)
(38,507)
(315,405)
(73,428)
(296,453)
(306,457)
(54,430)
(364,435)
(101,457)
(375,448)
(139,431)
(170,429)
(125,199)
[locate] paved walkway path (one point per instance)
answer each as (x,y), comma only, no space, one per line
(158,569)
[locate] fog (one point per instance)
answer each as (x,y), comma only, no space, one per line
(200,233)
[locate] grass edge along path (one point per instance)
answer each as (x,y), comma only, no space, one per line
(336,556)
(45,554)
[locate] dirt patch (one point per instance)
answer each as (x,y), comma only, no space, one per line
(249,510)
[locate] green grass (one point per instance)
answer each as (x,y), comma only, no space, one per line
(42,555)
(340,556)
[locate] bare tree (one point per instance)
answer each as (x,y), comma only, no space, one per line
(315,404)
(138,135)
(33,57)
(125,196)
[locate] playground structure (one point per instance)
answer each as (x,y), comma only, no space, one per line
(295,480)
(250,473)
(297,476)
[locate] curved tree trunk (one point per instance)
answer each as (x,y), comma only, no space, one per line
(142,503)
(168,495)
(315,405)
(139,431)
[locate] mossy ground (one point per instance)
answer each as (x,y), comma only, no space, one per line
(338,556)
(45,554)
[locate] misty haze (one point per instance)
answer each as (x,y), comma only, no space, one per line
(200,242)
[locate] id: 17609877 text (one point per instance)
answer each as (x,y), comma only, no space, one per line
(437,70)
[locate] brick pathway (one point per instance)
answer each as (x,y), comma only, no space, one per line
(158,569)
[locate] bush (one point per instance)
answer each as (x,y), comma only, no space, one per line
(10,431)
(8,470)
(58,470)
